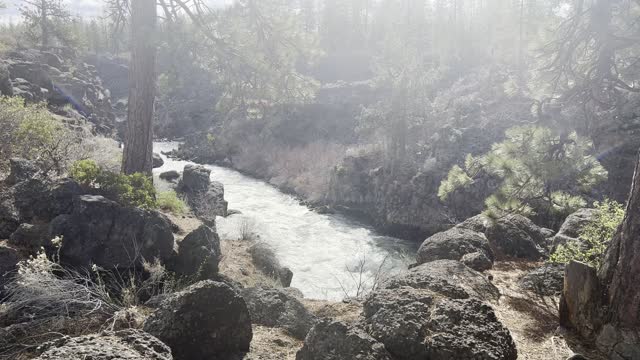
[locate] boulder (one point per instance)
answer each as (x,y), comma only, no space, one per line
(512,235)
(6,88)
(9,259)
(278,308)
(449,278)
(42,200)
(21,170)
(546,280)
(467,330)
(157,160)
(335,340)
(205,197)
(31,237)
(581,303)
(572,226)
(208,320)
(170,175)
(420,324)
(199,253)
(477,261)
(265,260)
(195,178)
(454,244)
(126,344)
(102,232)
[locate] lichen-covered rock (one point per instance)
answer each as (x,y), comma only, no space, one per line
(278,308)
(199,253)
(335,340)
(102,232)
(546,280)
(421,324)
(123,345)
(208,320)
(265,259)
(446,277)
(453,244)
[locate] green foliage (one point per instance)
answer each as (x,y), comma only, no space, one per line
(169,201)
(30,131)
(540,173)
(594,237)
(129,190)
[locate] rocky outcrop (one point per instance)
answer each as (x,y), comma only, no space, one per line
(420,324)
(278,308)
(572,226)
(59,80)
(546,280)
(458,243)
(448,278)
(21,170)
(208,320)
(102,232)
(265,260)
(205,197)
(126,344)
(199,253)
(335,340)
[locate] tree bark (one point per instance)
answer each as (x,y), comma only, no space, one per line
(621,269)
(138,148)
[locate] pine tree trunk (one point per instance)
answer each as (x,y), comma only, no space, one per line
(621,269)
(138,148)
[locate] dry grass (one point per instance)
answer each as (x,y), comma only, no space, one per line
(348,312)
(532,319)
(237,264)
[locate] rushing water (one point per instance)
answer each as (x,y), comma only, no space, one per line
(325,252)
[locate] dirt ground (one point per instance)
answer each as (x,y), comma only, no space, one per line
(532,319)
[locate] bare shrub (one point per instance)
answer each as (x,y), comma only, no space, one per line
(365,276)
(246,229)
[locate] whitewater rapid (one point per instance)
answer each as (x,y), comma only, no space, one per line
(328,254)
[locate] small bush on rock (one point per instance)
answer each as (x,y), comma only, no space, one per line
(594,237)
(130,190)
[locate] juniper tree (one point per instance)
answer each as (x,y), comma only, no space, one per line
(46,20)
(539,173)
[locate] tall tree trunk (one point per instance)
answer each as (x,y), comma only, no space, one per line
(621,269)
(138,148)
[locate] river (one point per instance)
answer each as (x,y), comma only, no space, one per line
(330,255)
